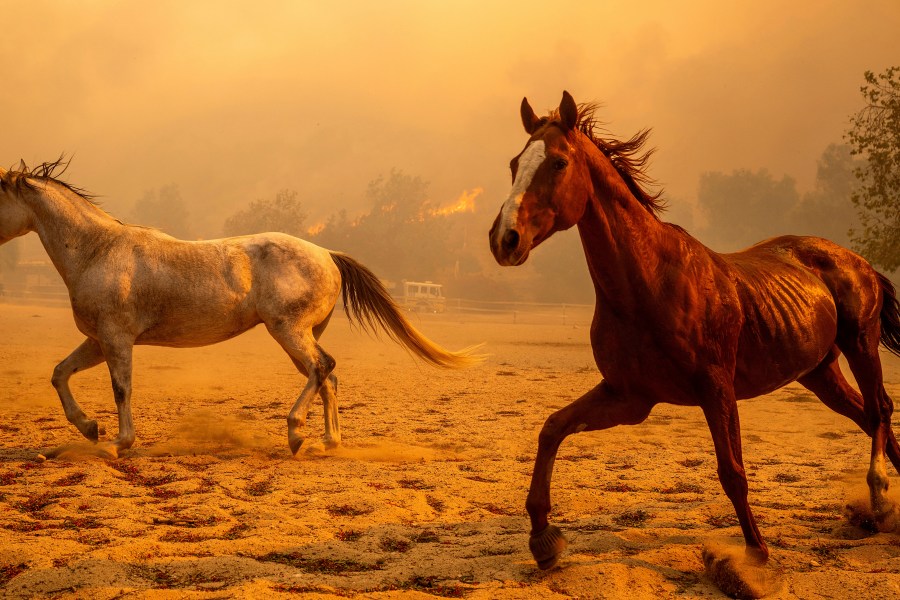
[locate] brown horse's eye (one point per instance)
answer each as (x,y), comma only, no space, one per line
(559,164)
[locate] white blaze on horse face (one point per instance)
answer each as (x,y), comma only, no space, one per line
(529,161)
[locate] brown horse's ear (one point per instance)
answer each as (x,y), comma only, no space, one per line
(529,119)
(568,111)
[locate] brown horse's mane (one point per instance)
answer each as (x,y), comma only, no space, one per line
(17,179)
(629,157)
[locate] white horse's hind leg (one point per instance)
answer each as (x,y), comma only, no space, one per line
(328,392)
(85,356)
(297,417)
(313,362)
(332,418)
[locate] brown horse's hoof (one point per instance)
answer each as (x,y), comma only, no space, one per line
(756,556)
(859,513)
(886,517)
(739,574)
(294,443)
(546,546)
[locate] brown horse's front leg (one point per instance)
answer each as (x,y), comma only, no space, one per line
(722,417)
(600,408)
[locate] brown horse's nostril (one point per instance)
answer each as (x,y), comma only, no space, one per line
(510,240)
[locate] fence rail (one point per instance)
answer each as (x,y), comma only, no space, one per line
(507,311)
(523,312)
(40,294)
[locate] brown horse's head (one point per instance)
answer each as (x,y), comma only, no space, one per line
(550,188)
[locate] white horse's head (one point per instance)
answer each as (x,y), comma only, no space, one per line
(16,218)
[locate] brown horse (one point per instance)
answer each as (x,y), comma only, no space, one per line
(676,322)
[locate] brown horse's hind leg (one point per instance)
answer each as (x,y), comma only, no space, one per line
(722,417)
(877,409)
(828,383)
(600,408)
(87,355)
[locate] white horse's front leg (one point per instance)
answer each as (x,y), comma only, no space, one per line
(118,356)
(85,356)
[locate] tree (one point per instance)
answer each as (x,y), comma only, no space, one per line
(401,237)
(875,135)
(163,208)
(744,207)
(827,210)
(336,233)
(399,197)
(283,213)
(679,212)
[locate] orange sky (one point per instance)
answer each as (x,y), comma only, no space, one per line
(233,101)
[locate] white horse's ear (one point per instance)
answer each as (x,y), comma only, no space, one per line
(568,111)
(529,119)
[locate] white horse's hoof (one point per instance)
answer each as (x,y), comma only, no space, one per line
(295,444)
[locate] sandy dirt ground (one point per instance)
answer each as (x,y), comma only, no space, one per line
(425,498)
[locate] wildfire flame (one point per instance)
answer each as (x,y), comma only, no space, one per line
(465,203)
(316,229)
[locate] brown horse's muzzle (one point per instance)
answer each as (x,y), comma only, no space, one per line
(507,245)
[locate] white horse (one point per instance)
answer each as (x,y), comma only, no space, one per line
(136,285)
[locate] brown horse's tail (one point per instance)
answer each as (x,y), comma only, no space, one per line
(371,306)
(890,315)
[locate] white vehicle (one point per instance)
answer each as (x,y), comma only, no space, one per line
(422,296)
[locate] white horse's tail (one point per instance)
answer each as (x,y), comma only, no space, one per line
(369,304)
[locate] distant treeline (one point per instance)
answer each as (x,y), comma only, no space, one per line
(404,235)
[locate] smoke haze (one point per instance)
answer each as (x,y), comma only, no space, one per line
(234,101)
